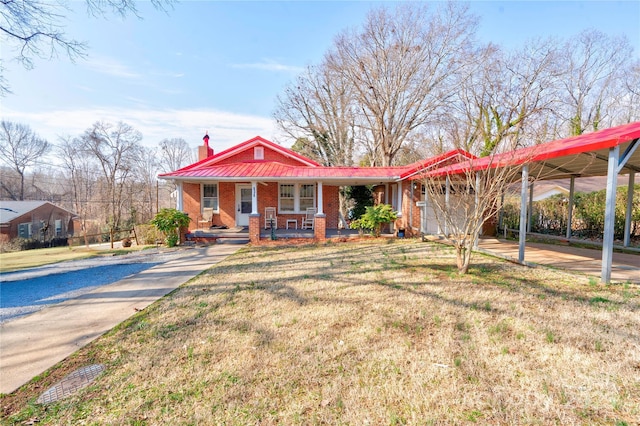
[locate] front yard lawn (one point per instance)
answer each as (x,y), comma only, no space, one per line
(379,332)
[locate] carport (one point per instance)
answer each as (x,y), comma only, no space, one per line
(608,152)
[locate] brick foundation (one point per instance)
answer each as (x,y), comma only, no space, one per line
(320,227)
(254,228)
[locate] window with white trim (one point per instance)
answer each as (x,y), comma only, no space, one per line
(307,196)
(58,225)
(258,153)
(287,198)
(210,196)
(296,198)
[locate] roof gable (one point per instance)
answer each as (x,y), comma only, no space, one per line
(448,158)
(243,153)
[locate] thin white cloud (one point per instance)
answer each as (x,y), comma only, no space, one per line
(269,65)
(110,66)
(225,129)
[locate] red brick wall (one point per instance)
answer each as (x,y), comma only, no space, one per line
(191,202)
(48,213)
(267,197)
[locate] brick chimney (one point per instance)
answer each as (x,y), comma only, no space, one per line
(205,151)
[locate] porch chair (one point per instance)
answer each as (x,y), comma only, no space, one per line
(269,215)
(309,219)
(205,218)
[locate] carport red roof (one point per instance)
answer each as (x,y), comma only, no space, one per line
(583,155)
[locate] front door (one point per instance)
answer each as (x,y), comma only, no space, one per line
(243,204)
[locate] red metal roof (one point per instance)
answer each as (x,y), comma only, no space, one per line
(583,155)
(210,168)
(452,156)
(267,169)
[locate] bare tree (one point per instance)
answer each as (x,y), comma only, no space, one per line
(175,153)
(20,149)
(116,148)
(594,62)
(400,66)
(317,110)
(36,28)
(145,190)
(496,107)
(80,178)
(463,198)
(626,104)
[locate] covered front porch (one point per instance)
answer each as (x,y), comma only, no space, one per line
(241,234)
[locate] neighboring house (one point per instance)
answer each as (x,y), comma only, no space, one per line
(543,191)
(238,184)
(39,220)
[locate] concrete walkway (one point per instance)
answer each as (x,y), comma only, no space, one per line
(32,344)
(625,267)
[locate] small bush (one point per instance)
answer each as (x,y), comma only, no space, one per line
(374,217)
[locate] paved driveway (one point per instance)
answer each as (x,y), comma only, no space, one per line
(30,290)
(31,344)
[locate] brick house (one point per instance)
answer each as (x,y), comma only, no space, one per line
(40,220)
(238,184)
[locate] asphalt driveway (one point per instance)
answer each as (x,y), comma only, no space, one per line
(30,290)
(30,344)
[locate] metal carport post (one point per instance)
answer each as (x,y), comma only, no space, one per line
(615,164)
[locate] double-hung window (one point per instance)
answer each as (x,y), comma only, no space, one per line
(296,198)
(210,196)
(287,198)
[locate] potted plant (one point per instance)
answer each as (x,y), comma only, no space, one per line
(169,222)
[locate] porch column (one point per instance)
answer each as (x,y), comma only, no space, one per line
(320,218)
(477,201)
(399,199)
(254,197)
(609,214)
(320,202)
(446,204)
(179,198)
(572,187)
(530,217)
(627,216)
(523,213)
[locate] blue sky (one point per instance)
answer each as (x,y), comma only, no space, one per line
(218,65)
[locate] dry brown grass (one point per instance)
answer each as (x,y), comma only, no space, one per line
(15,261)
(376,332)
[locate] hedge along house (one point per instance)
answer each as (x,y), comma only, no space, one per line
(237,186)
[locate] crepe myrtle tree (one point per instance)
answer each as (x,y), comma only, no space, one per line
(169,222)
(464,197)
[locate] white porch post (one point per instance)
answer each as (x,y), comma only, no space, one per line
(530,211)
(627,216)
(523,213)
(609,214)
(179,196)
(572,187)
(320,201)
(400,199)
(446,204)
(477,201)
(254,197)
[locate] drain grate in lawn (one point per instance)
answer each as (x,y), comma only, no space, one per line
(71,383)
